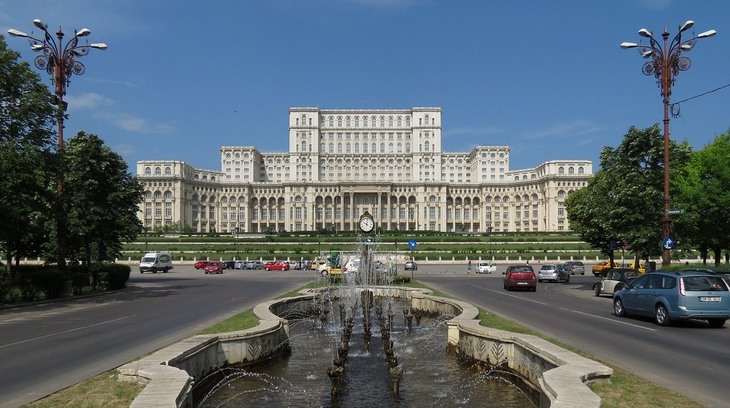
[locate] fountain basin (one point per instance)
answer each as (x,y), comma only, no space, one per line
(557,375)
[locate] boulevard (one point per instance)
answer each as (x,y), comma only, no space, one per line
(47,347)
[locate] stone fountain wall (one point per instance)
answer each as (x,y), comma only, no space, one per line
(557,375)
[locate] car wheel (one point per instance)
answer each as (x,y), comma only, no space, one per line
(660,316)
(597,289)
(618,308)
(716,323)
(567,279)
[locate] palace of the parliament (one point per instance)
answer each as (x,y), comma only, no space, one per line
(343,162)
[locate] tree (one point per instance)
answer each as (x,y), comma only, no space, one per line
(705,198)
(102,200)
(26,160)
(624,200)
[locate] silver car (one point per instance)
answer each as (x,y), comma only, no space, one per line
(553,273)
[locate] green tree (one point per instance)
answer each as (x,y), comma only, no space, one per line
(26,160)
(624,200)
(705,197)
(102,198)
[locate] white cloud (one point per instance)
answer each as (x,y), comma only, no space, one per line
(87,101)
(136,124)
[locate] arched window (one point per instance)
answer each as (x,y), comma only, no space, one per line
(147,171)
(168,171)
(561,170)
(158,171)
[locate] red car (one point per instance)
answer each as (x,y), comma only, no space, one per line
(276,266)
(214,267)
(201,264)
(520,277)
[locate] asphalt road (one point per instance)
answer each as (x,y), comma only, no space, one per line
(689,358)
(47,347)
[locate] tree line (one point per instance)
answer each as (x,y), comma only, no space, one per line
(623,204)
(99,204)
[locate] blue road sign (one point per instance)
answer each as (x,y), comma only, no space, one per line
(412,244)
(668,243)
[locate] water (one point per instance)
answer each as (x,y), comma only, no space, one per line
(431,376)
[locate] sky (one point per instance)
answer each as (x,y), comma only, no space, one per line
(182,78)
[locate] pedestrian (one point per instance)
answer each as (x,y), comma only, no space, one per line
(468,268)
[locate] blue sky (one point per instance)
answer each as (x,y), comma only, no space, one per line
(180,79)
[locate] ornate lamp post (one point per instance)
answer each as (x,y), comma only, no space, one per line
(665,62)
(59,60)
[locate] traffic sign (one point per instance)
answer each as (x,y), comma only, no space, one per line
(675,212)
(668,243)
(412,244)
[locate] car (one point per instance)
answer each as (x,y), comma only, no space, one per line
(229,264)
(723,273)
(214,267)
(597,269)
(325,269)
(240,265)
(276,266)
(201,264)
(520,277)
(575,267)
(634,266)
(255,265)
(615,280)
(554,273)
(668,296)
(352,266)
(486,267)
(410,266)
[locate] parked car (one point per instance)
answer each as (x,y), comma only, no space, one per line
(520,277)
(410,266)
(255,265)
(634,266)
(575,267)
(615,280)
(276,266)
(240,265)
(229,264)
(597,269)
(554,273)
(214,267)
(201,264)
(670,296)
(486,267)
(325,269)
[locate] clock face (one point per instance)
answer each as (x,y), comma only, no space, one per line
(366,224)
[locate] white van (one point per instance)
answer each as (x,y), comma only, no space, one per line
(155,261)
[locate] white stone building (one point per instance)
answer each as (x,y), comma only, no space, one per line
(342,162)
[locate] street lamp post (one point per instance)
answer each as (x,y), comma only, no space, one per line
(59,60)
(665,62)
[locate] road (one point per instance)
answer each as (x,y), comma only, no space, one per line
(47,347)
(689,358)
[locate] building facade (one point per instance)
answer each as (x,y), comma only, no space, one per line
(343,162)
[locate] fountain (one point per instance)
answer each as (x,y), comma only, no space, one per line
(411,366)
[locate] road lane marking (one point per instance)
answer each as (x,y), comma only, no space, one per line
(63,332)
(569,310)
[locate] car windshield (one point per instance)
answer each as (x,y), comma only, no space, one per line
(521,269)
(148,259)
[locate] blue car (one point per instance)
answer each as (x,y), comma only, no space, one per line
(672,296)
